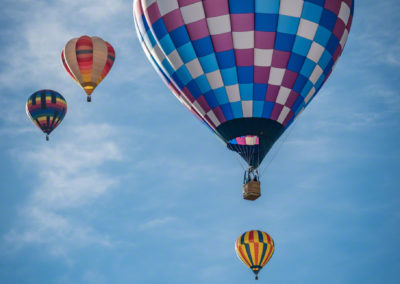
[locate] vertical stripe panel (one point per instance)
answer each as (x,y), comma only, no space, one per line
(100,55)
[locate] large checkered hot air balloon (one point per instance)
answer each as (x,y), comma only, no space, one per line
(46,109)
(88,60)
(247,69)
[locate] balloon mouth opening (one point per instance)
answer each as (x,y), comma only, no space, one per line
(88,91)
(248,140)
(88,87)
(248,147)
(256,269)
(256,273)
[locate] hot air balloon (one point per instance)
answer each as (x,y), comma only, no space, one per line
(46,108)
(255,249)
(88,60)
(247,69)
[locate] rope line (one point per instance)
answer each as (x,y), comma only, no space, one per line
(279,146)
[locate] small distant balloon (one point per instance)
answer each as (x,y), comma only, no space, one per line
(88,60)
(46,109)
(255,248)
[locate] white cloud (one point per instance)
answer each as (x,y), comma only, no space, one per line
(157,223)
(70,173)
(55,232)
(374,39)
(38,41)
(69,176)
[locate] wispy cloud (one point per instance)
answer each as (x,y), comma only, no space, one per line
(157,223)
(373,33)
(69,176)
(70,173)
(34,56)
(58,234)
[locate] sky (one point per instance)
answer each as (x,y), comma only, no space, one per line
(132,189)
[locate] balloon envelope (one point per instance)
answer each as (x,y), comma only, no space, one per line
(245,68)
(88,60)
(46,109)
(254,249)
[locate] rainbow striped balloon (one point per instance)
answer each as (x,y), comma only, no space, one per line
(255,248)
(88,60)
(46,108)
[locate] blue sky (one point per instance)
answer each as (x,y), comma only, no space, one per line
(132,189)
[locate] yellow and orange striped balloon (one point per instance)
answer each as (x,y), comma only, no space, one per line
(88,60)
(255,248)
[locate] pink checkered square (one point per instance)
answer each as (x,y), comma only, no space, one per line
(272,93)
(288,118)
(188,95)
(289,78)
(339,28)
(173,20)
(219,114)
(264,40)
(276,111)
(280,59)
(198,30)
(203,103)
(214,8)
(333,5)
(244,57)
(291,99)
(242,22)
(261,74)
(153,13)
(222,42)
(183,3)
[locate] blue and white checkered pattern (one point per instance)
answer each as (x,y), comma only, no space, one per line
(230,59)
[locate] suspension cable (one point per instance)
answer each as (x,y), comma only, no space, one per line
(279,146)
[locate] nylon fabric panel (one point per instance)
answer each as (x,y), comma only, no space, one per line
(171,43)
(109,62)
(250,252)
(71,61)
(160,56)
(142,35)
(241,252)
(268,255)
(100,54)
(84,57)
(66,66)
(242,23)
(162,74)
(155,57)
(205,67)
(220,28)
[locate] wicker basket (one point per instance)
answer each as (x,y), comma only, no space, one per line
(251,190)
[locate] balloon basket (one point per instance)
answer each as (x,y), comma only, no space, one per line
(89,99)
(252,190)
